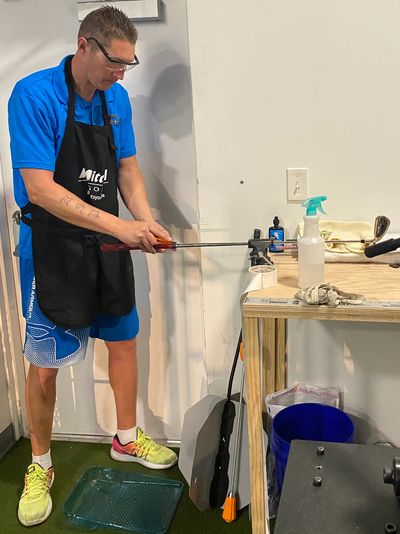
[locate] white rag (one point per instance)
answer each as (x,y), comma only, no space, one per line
(327,294)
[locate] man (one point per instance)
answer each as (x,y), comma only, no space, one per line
(73,149)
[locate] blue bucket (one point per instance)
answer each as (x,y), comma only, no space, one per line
(308,421)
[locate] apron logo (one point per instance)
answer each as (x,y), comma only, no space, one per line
(95,182)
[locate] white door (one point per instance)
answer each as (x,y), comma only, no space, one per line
(11,364)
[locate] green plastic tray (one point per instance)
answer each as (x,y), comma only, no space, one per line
(109,498)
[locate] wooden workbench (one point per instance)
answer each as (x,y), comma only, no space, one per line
(264,313)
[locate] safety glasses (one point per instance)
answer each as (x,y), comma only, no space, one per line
(114,63)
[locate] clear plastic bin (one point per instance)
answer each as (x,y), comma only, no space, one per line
(302,392)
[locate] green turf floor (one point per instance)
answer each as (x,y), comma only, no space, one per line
(71,460)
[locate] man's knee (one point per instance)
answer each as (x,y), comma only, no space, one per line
(46,375)
(122,348)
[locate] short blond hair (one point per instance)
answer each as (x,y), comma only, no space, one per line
(108,23)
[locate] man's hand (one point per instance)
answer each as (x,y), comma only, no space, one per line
(159,231)
(142,234)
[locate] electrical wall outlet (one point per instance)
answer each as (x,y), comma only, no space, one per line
(297,185)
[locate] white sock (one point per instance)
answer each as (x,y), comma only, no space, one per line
(125,436)
(43,460)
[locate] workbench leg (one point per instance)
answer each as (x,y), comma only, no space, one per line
(257,454)
(269,357)
(280,342)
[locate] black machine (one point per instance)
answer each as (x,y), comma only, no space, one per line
(338,488)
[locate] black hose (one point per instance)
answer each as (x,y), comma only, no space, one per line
(234,364)
(220,482)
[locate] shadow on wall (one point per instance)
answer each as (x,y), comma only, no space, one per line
(166,111)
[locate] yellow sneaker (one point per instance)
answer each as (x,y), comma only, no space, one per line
(35,503)
(144,450)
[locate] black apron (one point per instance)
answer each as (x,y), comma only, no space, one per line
(75,280)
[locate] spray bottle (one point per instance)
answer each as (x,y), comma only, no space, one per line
(311,246)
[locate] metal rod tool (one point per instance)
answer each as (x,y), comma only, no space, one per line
(173,245)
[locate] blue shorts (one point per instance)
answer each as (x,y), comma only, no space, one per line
(48,345)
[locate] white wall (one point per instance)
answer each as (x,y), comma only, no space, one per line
(36,35)
(311,83)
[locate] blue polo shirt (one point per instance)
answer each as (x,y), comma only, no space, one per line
(37,114)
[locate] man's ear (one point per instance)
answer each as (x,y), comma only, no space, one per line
(83,45)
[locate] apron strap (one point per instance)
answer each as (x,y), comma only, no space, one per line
(71,93)
(57,230)
(24,211)
(73,233)
(107,121)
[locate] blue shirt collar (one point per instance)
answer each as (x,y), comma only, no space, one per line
(60,86)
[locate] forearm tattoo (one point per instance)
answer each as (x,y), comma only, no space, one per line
(80,206)
(66,200)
